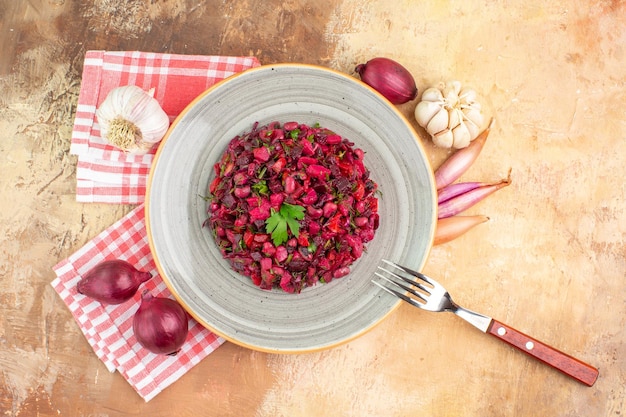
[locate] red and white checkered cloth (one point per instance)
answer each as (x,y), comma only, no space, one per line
(108,328)
(108,175)
(104,173)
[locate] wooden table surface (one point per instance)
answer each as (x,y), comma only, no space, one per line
(550,262)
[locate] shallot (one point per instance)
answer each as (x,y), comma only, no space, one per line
(389,78)
(462,202)
(160,324)
(452,227)
(112,281)
(453,190)
(461,160)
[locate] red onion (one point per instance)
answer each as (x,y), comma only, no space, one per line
(389,78)
(112,282)
(160,324)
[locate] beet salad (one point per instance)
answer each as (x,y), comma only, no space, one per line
(292,205)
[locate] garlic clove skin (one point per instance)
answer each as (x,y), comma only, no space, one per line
(425,111)
(473,129)
(474,115)
(132,120)
(432,94)
(444,139)
(438,122)
(456,117)
(468,96)
(451,93)
(461,136)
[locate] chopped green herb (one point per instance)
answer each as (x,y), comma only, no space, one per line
(261,188)
(285,218)
(294,134)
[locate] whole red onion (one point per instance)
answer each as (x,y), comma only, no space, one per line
(112,282)
(389,78)
(160,324)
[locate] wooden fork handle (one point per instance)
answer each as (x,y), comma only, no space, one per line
(569,365)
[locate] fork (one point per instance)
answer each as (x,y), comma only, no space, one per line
(428,294)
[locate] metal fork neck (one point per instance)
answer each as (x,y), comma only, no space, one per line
(473,318)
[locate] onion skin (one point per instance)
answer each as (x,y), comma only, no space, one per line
(450,228)
(453,190)
(160,324)
(461,160)
(462,202)
(112,281)
(389,78)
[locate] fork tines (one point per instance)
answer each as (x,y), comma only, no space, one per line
(399,282)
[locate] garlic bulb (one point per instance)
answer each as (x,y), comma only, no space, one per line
(450,114)
(131,119)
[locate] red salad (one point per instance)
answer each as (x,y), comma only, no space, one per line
(292,205)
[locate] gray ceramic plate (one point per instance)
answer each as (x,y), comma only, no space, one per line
(187,257)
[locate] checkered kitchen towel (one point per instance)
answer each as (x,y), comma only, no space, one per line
(104,173)
(108,328)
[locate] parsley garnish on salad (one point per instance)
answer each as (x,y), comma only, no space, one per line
(286,217)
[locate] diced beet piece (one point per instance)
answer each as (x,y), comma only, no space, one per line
(307,147)
(374,220)
(281,254)
(356,244)
(276,200)
(261,154)
(229,201)
(278,134)
(259,213)
(266,264)
(214,184)
(242,192)
(341,272)
(329,209)
(361,221)
(310,197)
(261,237)
(314,213)
(317,171)
(286,284)
(314,228)
(291,125)
(290,184)
(305,160)
(279,164)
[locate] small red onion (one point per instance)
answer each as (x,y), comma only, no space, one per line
(389,78)
(160,324)
(112,282)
